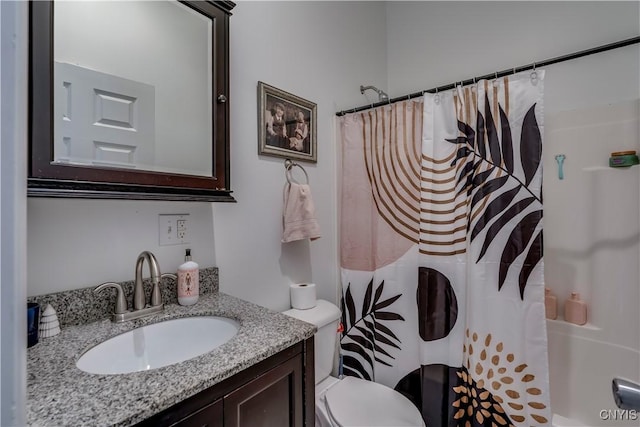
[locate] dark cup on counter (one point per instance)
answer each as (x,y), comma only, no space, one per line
(33,321)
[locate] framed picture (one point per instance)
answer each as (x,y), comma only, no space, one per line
(286,125)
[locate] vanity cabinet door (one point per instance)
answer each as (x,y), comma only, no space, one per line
(273,399)
(209,416)
(276,392)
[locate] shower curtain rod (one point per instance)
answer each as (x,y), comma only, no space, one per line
(514,70)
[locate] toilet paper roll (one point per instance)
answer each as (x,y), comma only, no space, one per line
(303,295)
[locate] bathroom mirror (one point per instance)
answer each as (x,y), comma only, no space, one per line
(129,99)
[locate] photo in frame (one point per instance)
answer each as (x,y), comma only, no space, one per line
(286,125)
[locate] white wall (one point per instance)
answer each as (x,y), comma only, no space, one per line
(436,43)
(13,185)
(321,51)
(79,243)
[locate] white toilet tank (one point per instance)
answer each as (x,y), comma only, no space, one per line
(325,317)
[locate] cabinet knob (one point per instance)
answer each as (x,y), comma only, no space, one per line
(222,99)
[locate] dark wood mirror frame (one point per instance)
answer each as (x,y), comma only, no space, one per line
(51,180)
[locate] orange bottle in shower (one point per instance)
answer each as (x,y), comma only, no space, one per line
(550,304)
(575,310)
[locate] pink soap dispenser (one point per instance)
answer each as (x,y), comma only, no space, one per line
(575,310)
(550,304)
(188,281)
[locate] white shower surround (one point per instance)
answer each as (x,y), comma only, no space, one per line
(592,231)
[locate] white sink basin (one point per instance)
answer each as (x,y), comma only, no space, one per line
(158,345)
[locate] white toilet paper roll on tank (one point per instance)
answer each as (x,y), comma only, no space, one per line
(303,295)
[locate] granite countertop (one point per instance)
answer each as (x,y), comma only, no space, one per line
(60,394)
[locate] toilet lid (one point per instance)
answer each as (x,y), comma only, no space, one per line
(355,402)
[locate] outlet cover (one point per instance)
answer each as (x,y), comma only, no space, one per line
(173,229)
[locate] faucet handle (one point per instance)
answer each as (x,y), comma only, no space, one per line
(156,296)
(121,303)
(173,276)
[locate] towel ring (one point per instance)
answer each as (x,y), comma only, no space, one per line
(288,164)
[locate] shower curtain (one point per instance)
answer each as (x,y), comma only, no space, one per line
(441,252)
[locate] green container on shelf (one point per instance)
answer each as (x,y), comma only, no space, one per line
(623,159)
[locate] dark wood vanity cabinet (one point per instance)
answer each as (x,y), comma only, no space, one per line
(111,168)
(277,392)
(209,416)
(272,399)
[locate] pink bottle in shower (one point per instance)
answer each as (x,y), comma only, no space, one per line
(550,304)
(575,310)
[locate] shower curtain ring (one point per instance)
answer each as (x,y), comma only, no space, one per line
(496,75)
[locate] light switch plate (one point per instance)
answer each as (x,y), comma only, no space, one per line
(173,229)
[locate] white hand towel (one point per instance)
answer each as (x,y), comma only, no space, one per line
(299,214)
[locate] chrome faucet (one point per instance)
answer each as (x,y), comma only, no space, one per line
(626,394)
(140,309)
(139,297)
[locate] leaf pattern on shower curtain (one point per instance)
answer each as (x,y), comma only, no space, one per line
(476,406)
(366,339)
(488,167)
(493,377)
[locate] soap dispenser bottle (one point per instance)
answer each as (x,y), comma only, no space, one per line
(188,281)
(550,304)
(575,310)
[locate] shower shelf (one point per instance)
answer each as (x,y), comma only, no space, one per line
(604,168)
(588,325)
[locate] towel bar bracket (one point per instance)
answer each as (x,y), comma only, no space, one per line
(288,165)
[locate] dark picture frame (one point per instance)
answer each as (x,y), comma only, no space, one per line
(286,125)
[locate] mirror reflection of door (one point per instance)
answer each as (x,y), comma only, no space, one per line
(103,120)
(133,84)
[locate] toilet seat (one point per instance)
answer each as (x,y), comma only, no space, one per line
(353,402)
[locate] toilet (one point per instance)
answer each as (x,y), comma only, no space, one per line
(350,402)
